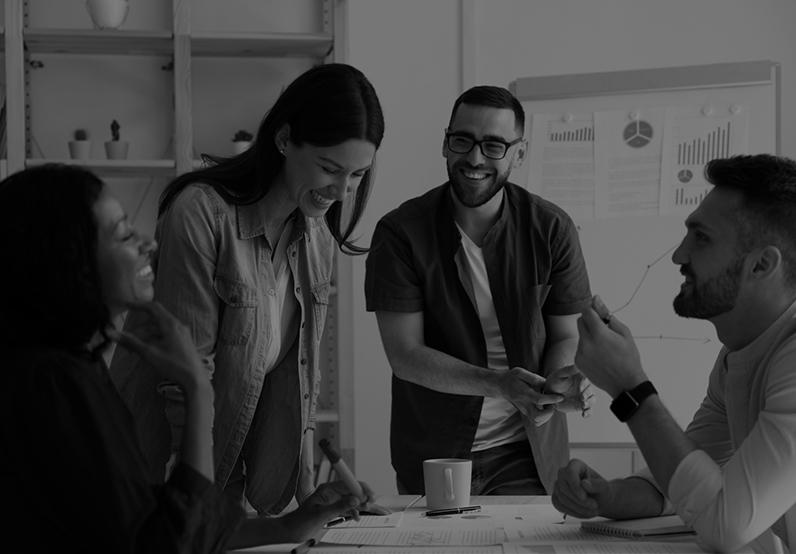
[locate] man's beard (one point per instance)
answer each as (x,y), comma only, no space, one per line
(714,297)
(470,197)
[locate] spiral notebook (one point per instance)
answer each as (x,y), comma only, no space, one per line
(643,527)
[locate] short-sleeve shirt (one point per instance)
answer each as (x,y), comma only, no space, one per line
(535,268)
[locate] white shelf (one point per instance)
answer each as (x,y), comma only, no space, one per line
(116,168)
(327,416)
(98,42)
(264,45)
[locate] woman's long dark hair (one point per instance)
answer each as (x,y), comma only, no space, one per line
(324,106)
(50,293)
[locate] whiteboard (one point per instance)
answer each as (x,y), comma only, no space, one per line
(623,252)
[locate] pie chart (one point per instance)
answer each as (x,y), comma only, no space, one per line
(637,134)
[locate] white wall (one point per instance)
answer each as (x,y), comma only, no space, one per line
(410,49)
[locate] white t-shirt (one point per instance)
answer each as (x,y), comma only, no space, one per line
(500,421)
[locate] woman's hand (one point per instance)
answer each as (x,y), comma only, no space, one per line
(165,343)
(329,500)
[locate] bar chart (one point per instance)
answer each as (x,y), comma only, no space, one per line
(582,133)
(699,151)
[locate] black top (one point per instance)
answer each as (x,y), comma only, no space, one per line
(74,476)
(535,268)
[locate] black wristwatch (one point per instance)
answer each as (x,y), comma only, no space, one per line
(626,404)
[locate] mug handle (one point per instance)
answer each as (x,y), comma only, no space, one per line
(449,484)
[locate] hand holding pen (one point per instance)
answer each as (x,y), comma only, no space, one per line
(357,488)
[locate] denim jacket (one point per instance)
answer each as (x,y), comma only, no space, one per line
(210,274)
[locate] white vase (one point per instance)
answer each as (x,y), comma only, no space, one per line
(116,149)
(240,146)
(107,14)
(80,149)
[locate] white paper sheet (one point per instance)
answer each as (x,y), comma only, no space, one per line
(496,549)
(554,533)
(415,537)
(601,548)
(391,520)
(561,159)
(693,136)
(627,161)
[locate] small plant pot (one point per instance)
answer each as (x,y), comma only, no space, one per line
(107,14)
(240,146)
(116,149)
(80,149)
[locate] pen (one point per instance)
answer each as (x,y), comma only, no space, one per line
(336,521)
(342,470)
(452,511)
(304,547)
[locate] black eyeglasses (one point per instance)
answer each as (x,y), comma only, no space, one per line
(493,149)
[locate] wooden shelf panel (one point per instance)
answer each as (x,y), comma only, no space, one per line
(116,168)
(263,45)
(93,41)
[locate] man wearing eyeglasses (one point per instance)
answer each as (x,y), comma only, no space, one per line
(477,286)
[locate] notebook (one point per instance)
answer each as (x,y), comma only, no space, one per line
(643,527)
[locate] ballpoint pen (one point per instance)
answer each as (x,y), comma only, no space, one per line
(453,511)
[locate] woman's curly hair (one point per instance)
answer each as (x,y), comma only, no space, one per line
(50,293)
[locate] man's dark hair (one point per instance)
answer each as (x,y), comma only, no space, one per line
(493,97)
(768,213)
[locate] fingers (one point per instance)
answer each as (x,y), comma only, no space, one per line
(569,494)
(532,379)
(128,341)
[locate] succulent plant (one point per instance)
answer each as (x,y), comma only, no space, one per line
(242,135)
(81,134)
(114,130)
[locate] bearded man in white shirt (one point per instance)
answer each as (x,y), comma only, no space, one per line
(732,473)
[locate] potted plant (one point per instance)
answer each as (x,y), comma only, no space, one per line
(241,141)
(80,146)
(107,14)
(116,149)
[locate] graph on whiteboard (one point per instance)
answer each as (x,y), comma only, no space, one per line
(692,139)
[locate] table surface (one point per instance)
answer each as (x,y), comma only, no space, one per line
(416,504)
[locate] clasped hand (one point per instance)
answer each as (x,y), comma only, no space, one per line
(535,397)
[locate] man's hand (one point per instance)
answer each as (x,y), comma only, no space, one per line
(580,491)
(607,354)
(524,389)
(577,391)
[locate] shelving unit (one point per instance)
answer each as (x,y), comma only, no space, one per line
(180,47)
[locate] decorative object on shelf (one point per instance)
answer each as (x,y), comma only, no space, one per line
(80,146)
(241,141)
(107,14)
(116,149)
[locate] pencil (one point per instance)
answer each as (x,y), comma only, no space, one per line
(304,547)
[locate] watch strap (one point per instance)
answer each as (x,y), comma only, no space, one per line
(628,402)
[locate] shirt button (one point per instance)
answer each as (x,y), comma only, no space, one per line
(298,290)
(306,396)
(293,253)
(271,292)
(303,361)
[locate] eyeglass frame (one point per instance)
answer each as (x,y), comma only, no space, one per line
(479,143)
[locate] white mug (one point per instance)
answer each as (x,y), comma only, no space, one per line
(447,482)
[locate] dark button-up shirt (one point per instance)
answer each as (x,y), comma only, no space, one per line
(535,268)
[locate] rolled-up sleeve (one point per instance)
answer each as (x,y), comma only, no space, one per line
(732,504)
(391,282)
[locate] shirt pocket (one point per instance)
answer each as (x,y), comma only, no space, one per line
(320,305)
(237,310)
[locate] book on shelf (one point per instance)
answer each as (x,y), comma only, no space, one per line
(639,528)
